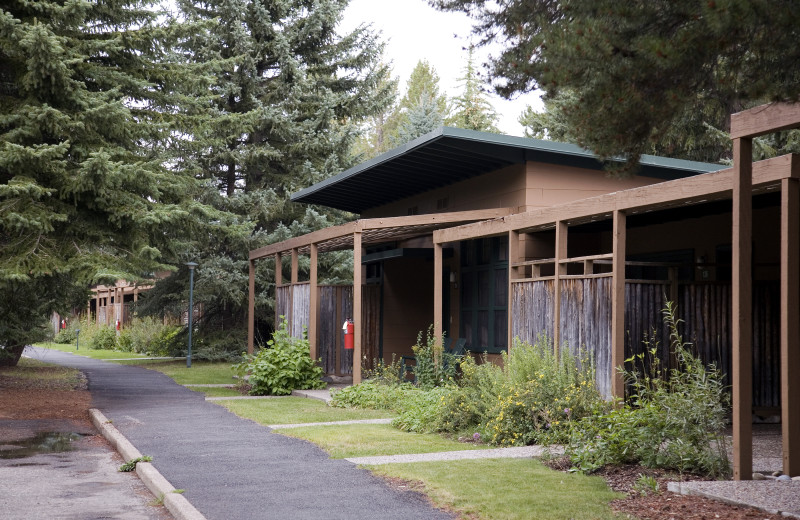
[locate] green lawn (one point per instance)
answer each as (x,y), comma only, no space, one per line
(217,391)
(364,440)
(296,410)
(507,489)
(201,372)
(90,353)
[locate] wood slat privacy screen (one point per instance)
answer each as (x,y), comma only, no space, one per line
(335,306)
(704,308)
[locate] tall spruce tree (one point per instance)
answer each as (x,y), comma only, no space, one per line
(639,69)
(472,109)
(290,97)
(422,117)
(84,191)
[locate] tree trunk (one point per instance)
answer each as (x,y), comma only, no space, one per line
(9,356)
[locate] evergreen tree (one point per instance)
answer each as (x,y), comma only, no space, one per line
(472,109)
(290,98)
(421,118)
(84,122)
(639,68)
(376,136)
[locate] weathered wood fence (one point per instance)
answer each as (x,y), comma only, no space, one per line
(335,306)
(704,310)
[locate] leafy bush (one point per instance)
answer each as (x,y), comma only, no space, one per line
(420,408)
(65,336)
(105,338)
(532,398)
(434,366)
(284,365)
(148,335)
(372,394)
(672,423)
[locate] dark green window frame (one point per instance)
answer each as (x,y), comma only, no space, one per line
(484,294)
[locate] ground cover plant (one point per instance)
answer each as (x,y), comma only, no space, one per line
(507,489)
(533,397)
(281,366)
(673,419)
(296,410)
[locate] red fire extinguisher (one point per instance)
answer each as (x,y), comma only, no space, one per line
(349,334)
(117,324)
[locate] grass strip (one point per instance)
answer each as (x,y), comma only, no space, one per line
(217,392)
(506,489)
(364,440)
(32,373)
(201,372)
(90,353)
(296,410)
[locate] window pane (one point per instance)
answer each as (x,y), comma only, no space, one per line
(483,288)
(467,285)
(500,288)
(466,327)
(485,251)
(467,252)
(500,329)
(483,329)
(502,249)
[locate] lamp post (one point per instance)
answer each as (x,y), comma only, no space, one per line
(191,266)
(77,337)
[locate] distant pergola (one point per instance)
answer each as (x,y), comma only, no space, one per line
(353,235)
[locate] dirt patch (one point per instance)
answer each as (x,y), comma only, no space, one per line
(33,391)
(665,505)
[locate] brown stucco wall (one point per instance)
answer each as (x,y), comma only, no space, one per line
(408,304)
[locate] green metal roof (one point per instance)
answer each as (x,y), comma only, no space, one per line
(448,155)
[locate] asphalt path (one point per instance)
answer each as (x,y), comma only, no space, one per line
(231,467)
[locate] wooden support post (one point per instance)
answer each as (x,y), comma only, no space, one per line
(513,274)
(135,293)
(278,283)
(357,253)
(313,302)
(790,325)
(560,269)
(742,312)
(251,308)
(295,265)
(619,235)
(588,267)
(438,318)
(96,307)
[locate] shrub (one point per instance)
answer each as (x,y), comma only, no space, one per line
(372,394)
(105,338)
(419,409)
(434,366)
(672,423)
(532,398)
(149,335)
(284,365)
(65,336)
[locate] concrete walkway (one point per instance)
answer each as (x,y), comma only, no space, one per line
(232,467)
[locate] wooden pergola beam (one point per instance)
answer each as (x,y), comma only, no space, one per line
(251,307)
(357,319)
(742,311)
(790,325)
(313,310)
(619,236)
(701,188)
(560,270)
(765,119)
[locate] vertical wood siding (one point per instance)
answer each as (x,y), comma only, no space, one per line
(704,308)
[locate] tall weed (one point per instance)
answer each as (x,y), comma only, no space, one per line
(673,420)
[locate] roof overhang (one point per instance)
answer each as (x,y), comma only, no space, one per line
(449,155)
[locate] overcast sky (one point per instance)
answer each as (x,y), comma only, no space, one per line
(414,30)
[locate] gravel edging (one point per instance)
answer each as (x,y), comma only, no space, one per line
(521,452)
(768,495)
(175,502)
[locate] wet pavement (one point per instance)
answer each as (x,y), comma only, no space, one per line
(60,469)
